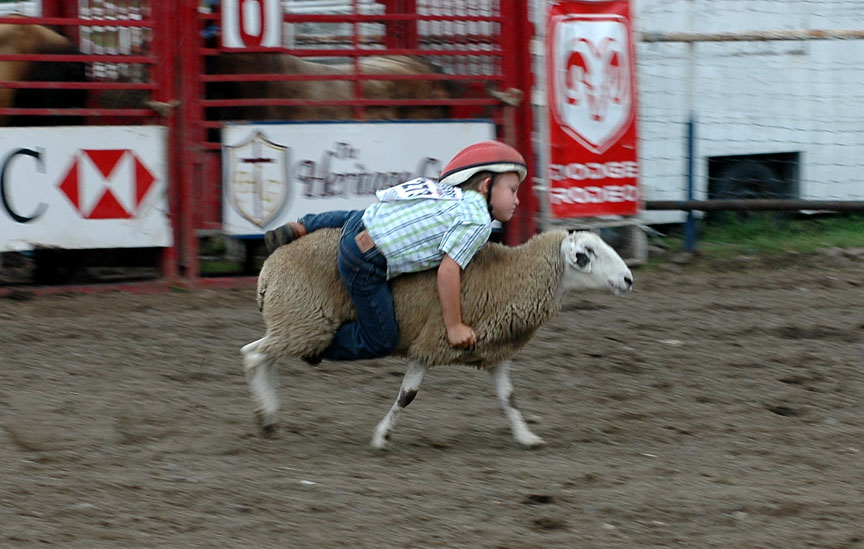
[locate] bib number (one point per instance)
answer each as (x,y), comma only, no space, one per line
(420,188)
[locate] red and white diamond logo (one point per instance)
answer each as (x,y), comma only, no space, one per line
(107,183)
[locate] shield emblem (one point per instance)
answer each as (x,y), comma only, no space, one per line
(592,78)
(257,178)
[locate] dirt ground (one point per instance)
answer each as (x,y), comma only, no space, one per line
(713,407)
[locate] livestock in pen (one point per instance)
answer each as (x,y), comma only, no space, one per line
(23,38)
(385,88)
(507,295)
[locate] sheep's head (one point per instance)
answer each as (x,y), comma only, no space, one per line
(591,264)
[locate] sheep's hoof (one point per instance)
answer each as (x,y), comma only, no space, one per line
(267,425)
(269,430)
(380,442)
(532,443)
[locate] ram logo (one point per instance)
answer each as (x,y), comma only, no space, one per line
(592,78)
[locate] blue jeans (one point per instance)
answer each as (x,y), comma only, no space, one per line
(327,220)
(375,333)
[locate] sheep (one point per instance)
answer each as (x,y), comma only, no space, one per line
(507,294)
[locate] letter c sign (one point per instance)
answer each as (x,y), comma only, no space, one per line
(251,24)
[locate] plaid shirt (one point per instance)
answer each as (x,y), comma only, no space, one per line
(414,235)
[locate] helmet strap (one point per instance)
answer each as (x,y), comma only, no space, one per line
(492,179)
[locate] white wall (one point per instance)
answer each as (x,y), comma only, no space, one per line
(753,97)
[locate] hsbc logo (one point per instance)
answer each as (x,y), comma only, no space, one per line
(591,78)
(84,187)
(106,183)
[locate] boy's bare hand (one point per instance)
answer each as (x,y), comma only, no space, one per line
(461,336)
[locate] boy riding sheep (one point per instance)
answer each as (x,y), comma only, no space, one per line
(415,226)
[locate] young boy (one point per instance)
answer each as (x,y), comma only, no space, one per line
(415,226)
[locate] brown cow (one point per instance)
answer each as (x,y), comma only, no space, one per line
(35,39)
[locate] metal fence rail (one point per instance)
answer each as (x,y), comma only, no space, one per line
(754,36)
(756,204)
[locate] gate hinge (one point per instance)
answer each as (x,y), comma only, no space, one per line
(511,97)
(161,107)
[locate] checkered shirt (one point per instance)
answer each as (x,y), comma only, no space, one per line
(414,235)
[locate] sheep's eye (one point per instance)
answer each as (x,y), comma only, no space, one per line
(590,251)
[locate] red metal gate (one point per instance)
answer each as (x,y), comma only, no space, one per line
(127,51)
(479,47)
(162,62)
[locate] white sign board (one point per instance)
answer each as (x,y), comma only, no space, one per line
(251,23)
(83,187)
(32,8)
(275,173)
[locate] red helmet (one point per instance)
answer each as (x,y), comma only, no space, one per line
(485,156)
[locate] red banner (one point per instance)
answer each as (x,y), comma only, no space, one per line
(591,92)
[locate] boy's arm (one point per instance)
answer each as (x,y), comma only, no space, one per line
(450,295)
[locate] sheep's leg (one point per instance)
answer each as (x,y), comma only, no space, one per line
(263,380)
(504,389)
(410,385)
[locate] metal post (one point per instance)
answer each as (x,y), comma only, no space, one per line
(163,48)
(191,137)
(539,101)
(690,224)
(516,34)
(525,118)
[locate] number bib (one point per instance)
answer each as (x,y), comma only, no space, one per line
(420,188)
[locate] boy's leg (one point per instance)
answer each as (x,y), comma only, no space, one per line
(375,333)
(293,230)
(327,220)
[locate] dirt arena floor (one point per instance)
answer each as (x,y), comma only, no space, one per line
(716,406)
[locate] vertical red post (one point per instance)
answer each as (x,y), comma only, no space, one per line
(188,148)
(391,28)
(412,35)
(515,40)
(359,112)
(401,34)
(162,48)
(50,8)
(59,8)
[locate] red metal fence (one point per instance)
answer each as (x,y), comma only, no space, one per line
(161,62)
(127,51)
